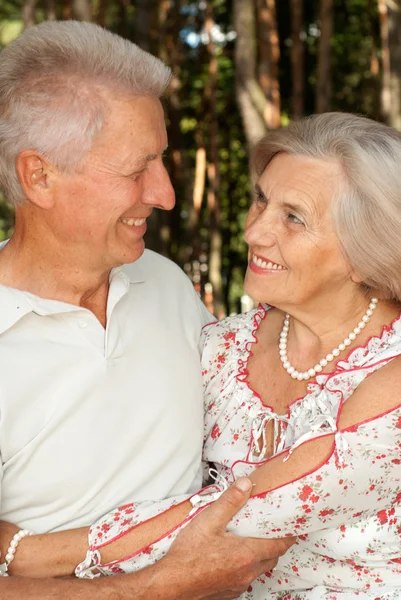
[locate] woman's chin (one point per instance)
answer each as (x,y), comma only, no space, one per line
(258,295)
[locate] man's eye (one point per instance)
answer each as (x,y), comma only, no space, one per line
(137,174)
(294,219)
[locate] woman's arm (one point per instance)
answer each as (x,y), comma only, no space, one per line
(327,482)
(309,481)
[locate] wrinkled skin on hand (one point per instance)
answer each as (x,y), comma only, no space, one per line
(221,565)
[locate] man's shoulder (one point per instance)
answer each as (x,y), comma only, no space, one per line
(152,265)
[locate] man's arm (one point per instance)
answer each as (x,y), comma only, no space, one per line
(204,563)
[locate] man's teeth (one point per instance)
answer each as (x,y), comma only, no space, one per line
(133,222)
(266,265)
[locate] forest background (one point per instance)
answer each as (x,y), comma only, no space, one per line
(241,68)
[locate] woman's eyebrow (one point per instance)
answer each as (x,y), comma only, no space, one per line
(301,208)
(259,190)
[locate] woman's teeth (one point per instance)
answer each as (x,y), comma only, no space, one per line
(133,222)
(266,265)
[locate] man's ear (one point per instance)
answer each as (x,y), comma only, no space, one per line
(35,175)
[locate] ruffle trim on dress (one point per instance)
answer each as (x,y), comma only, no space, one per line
(115,524)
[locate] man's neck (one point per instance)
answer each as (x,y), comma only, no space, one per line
(29,264)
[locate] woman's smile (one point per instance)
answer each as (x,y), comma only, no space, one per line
(263,265)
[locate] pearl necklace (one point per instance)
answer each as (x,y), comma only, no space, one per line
(329,357)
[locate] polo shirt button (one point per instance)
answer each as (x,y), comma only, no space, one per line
(82,323)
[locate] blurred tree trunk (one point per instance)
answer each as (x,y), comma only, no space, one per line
(390,29)
(297,59)
(269,56)
(172,53)
(213,172)
(81,10)
(51,10)
(251,100)
(323,82)
(100,16)
(28,13)
(147,25)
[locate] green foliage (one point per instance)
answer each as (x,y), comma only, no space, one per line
(355,88)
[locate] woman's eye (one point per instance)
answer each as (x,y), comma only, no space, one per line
(294,219)
(259,197)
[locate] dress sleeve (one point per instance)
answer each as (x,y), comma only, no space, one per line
(361,479)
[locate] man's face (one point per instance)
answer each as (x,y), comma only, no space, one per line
(101,210)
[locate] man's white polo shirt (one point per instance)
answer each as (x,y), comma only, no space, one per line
(91,418)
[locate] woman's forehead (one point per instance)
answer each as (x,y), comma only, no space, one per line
(300,178)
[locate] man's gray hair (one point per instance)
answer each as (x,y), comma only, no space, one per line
(366,205)
(54,81)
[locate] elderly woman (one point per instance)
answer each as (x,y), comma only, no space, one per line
(303,393)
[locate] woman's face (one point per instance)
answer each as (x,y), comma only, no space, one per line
(294,255)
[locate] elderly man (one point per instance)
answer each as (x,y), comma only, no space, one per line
(100,386)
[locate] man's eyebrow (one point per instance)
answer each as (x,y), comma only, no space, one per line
(150,157)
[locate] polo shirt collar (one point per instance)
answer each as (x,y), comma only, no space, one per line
(134,271)
(14,306)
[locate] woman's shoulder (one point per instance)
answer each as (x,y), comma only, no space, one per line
(234,329)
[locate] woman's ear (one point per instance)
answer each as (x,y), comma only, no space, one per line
(35,174)
(355,278)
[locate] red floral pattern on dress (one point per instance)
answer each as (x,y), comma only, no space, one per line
(346,514)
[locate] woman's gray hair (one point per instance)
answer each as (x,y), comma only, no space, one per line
(54,81)
(366,206)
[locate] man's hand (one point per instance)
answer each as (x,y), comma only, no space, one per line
(212,564)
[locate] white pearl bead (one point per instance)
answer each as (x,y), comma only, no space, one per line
(329,357)
(9,557)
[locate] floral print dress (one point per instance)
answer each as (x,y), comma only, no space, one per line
(346,513)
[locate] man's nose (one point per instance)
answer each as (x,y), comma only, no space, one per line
(158,190)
